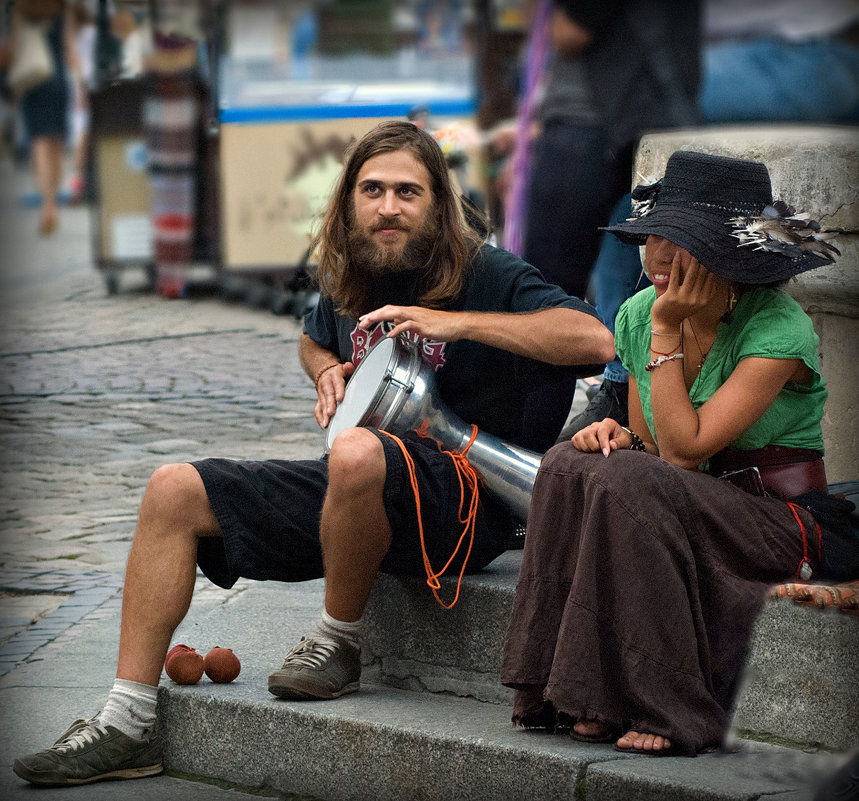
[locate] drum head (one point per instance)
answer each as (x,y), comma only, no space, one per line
(363,389)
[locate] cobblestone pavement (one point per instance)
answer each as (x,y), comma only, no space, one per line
(97,391)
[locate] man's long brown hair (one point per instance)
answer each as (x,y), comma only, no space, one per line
(345,282)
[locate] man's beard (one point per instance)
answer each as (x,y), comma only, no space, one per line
(379,260)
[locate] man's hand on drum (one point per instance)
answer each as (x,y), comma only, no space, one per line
(441,326)
(605,436)
(329,392)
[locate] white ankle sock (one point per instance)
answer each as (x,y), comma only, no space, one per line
(130,708)
(328,627)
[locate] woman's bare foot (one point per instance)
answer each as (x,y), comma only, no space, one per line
(642,742)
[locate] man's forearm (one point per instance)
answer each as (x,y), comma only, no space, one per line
(557,336)
(314,357)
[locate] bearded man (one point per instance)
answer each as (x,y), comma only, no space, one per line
(396,256)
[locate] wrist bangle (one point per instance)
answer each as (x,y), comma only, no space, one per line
(321,371)
(655,333)
(661,360)
(637,442)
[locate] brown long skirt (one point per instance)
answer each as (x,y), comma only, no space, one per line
(639,588)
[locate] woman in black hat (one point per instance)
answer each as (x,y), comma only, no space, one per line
(643,573)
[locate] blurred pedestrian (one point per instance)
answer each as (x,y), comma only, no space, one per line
(45,108)
(617,69)
(7,117)
(303,38)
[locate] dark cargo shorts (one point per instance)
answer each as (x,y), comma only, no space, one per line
(269,514)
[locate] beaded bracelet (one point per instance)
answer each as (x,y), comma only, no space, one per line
(637,442)
(661,360)
(321,371)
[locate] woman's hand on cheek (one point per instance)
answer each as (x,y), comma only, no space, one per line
(685,297)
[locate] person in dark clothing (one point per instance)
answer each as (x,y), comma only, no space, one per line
(396,257)
(619,68)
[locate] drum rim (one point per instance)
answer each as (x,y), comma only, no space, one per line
(401,347)
(405,388)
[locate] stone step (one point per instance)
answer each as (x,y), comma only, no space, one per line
(387,743)
(415,644)
(800,684)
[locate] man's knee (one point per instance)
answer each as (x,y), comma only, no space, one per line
(176,496)
(356,461)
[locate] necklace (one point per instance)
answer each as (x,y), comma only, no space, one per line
(703,358)
(698,345)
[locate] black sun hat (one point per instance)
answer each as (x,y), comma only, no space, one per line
(722,211)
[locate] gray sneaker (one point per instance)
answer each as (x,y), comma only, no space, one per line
(318,669)
(89,752)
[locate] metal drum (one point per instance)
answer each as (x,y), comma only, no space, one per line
(395,389)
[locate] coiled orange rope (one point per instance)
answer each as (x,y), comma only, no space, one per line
(467,475)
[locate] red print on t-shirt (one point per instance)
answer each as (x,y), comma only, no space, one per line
(431,351)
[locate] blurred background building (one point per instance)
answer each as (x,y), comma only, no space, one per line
(276,89)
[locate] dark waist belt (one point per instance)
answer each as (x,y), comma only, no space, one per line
(789,480)
(785,472)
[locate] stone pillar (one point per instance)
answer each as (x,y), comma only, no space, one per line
(816,169)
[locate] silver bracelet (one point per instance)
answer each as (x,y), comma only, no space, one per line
(661,360)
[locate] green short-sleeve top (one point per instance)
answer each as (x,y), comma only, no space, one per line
(766,323)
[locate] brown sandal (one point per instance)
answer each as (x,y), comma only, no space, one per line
(606,736)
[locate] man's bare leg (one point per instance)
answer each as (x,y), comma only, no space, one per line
(159,578)
(354,530)
(122,740)
(355,536)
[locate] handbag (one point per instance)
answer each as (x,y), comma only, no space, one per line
(32,64)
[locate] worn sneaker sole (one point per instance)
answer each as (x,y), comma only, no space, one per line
(298,690)
(58,780)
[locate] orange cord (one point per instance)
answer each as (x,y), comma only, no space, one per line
(466,472)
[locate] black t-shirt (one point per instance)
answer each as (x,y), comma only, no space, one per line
(520,400)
